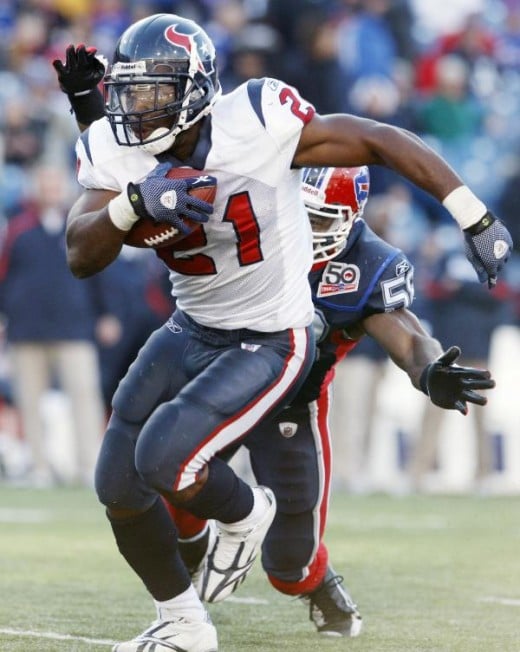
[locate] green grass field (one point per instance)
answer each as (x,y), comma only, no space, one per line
(429,574)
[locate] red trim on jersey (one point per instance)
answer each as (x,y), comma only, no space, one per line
(323,409)
(343,346)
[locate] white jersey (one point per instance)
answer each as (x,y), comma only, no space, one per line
(251,272)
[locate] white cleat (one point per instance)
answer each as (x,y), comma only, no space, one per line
(179,635)
(232,556)
(196,572)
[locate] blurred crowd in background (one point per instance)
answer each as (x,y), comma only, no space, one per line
(450,74)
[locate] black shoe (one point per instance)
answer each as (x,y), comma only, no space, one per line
(332,609)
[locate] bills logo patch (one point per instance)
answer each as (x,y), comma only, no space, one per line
(339,278)
(362,186)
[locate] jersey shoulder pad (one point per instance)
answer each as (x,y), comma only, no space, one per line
(263,116)
(388,271)
(279,107)
(103,164)
(367,277)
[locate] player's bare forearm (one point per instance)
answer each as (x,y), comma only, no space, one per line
(407,343)
(346,140)
(93,242)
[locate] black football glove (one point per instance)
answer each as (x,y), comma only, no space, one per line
(488,245)
(81,72)
(79,78)
(450,386)
(168,200)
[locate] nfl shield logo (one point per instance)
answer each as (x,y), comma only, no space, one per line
(287,429)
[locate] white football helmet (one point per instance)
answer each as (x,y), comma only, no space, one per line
(334,198)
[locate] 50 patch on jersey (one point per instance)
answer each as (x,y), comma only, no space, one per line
(339,278)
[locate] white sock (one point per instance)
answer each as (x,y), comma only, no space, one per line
(186,605)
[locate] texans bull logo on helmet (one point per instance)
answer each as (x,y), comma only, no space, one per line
(193,43)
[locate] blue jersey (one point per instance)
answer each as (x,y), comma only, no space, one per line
(368,277)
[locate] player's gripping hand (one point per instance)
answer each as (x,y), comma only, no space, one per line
(168,200)
(450,386)
(81,72)
(488,245)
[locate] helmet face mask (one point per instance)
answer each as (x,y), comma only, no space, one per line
(162,81)
(334,198)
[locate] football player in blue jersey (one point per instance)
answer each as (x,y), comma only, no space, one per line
(241,340)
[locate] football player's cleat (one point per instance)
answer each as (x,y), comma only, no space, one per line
(232,556)
(332,609)
(194,551)
(180,635)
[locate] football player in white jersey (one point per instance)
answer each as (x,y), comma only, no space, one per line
(240,341)
(361,286)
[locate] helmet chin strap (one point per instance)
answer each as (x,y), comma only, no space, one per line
(162,140)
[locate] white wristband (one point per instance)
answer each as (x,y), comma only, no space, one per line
(80,93)
(121,212)
(466,208)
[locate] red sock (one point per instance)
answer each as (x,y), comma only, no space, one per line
(317,570)
(188,526)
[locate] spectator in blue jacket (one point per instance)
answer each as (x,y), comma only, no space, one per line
(51,319)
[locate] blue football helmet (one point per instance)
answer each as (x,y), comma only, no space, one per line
(162,80)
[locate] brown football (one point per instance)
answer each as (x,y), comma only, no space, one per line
(149,234)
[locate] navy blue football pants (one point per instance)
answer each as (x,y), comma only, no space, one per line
(291,453)
(191,394)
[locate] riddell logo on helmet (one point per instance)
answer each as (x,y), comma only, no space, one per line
(121,68)
(309,190)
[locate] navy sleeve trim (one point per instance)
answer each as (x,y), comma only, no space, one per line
(85,140)
(254,90)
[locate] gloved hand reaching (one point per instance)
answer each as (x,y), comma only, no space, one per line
(450,386)
(79,77)
(82,70)
(488,245)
